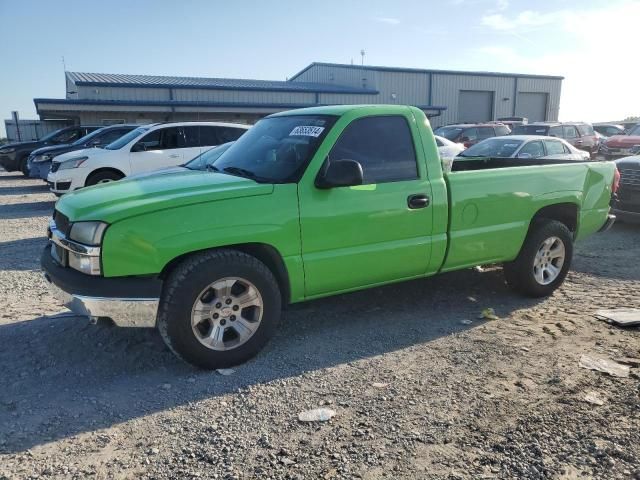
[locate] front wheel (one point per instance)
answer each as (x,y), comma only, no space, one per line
(24,165)
(219,308)
(543,261)
(105,176)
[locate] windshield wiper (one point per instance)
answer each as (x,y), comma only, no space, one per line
(212,168)
(243,172)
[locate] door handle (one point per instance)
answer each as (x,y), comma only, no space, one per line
(174,156)
(419,200)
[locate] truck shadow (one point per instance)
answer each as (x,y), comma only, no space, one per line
(613,254)
(62,376)
(19,254)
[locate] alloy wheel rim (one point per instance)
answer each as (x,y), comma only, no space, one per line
(549,260)
(227,313)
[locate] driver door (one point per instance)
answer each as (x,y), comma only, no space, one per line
(371,233)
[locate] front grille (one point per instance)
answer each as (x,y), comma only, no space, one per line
(55,166)
(62,222)
(630,178)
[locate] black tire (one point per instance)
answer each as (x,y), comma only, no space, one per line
(102,177)
(184,286)
(23,165)
(519,274)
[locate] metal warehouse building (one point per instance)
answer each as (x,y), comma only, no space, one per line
(446,96)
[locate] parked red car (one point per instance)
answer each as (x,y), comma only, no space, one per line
(621,145)
(471,133)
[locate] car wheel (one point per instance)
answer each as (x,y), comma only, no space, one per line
(103,177)
(219,308)
(543,261)
(24,165)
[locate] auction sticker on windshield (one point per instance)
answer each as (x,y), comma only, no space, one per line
(307,131)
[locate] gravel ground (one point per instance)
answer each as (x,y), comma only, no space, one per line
(421,387)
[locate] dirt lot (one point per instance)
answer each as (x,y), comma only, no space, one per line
(419,392)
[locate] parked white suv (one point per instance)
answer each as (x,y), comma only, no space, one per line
(147,148)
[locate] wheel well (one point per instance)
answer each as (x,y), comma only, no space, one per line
(263,252)
(101,170)
(566,213)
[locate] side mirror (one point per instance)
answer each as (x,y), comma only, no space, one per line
(139,147)
(339,173)
(524,155)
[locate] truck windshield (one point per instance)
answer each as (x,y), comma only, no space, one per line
(276,149)
(450,133)
(122,141)
(493,148)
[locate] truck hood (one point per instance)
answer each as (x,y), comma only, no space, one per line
(111,202)
(623,141)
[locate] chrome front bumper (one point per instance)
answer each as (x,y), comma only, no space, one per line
(124,312)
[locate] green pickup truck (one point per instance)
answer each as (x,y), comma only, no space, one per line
(306,204)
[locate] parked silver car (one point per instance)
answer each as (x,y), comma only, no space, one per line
(525,146)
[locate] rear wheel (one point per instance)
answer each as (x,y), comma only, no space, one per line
(103,177)
(219,308)
(543,261)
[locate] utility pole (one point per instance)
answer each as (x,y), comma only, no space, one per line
(362,54)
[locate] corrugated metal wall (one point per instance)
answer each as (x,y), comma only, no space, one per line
(394,87)
(32,129)
(446,92)
(412,88)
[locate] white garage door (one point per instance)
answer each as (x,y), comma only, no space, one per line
(532,106)
(475,106)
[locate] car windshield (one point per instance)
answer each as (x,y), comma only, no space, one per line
(122,141)
(448,132)
(493,147)
(208,158)
(635,131)
(276,149)
(86,138)
(530,130)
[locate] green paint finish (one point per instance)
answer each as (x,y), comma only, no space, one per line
(340,239)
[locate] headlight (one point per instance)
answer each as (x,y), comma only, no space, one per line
(7,150)
(42,158)
(72,163)
(88,233)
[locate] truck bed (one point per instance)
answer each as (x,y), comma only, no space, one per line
(492,203)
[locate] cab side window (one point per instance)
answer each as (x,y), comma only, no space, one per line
(384,147)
